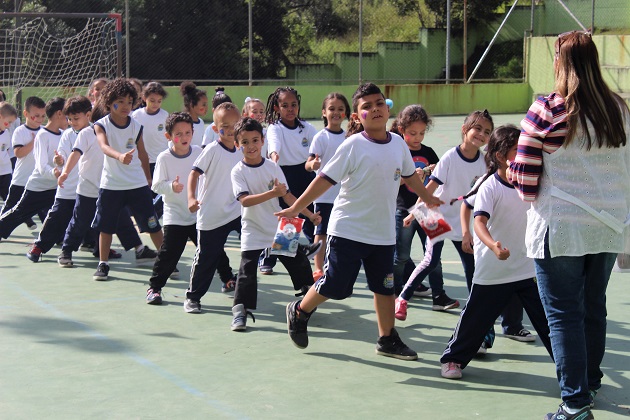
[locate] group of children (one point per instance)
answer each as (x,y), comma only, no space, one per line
(119,159)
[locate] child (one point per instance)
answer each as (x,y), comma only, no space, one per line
(172,166)
(502,269)
(453,176)
(137,84)
(88,154)
(95,88)
(255,108)
(8,114)
(411,124)
(257,184)
(218,213)
(335,109)
(77,109)
(39,192)
(125,176)
(22,144)
(219,97)
(152,118)
(196,104)
(289,139)
(369,165)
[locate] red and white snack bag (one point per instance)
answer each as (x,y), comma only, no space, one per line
(431,221)
(287,235)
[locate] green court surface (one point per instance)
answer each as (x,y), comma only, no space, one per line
(73,348)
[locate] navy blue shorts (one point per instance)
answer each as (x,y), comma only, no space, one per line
(111,202)
(324,210)
(343,262)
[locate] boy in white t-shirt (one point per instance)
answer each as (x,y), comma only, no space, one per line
(22,147)
(258,183)
(369,165)
(169,180)
(8,115)
(77,109)
(218,213)
(40,189)
(126,178)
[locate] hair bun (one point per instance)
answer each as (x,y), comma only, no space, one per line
(248,99)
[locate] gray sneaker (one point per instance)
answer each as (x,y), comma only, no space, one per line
(239,322)
(65,259)
(146,255)
(192,306)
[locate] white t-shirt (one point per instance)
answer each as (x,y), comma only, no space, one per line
(168,167)
(5,157)
(116,175)
(291,144)
(456,176)
(325,144)
(11,130)
(198,130)
(24,166)
(218,204)
(69,190)
(369,172)
(507,223)
(258,224)
(209,135)
(90,163)
(43,177)
(153,131)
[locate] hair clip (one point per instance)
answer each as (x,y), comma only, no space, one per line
(248,99)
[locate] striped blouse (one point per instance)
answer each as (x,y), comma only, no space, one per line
(543,130)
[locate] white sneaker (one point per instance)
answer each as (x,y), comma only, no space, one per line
(239,322)
(192,306)
(451,370)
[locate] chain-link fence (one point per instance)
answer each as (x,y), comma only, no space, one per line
(326,41)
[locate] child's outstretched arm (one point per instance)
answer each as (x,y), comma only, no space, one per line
(124,158)
(279,190)
(425,194)
(317,187)
(467,240)
(481,229)
(315,218)
(193,180)
(70,164)
(144,159)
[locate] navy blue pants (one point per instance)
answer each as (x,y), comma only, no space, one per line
(55,224)
(210,244)
(14,194)
(30,204)
(82,216)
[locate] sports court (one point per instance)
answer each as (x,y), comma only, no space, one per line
(75,348)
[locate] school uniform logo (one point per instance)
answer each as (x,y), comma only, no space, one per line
(270,185)
(304,142)
(474,181)
(160,127)
(388,283)
(152,222)
(397,174)
(3,148)
(130,143)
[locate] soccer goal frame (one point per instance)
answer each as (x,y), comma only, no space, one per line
(14,64)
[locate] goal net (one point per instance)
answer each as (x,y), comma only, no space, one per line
(53,54)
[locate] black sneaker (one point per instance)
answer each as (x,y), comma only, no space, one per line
(297,321)
(101,272)
(30,224)
(65,259)
(310,250)
(154,297)
(562,414)
(443,303)
(87,247)
(146,255)
(229,286)
(175,274)
(422,291)
(34,254)
(392,346)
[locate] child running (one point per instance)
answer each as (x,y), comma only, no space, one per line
(335,109)
(39,192)
(502,268)
(77,109)
(289,139)
(196,104)
(411,124)
(218,213)
(170,181)
(257,184)
(368,164)
(126,178)
(453,176)
(22,145)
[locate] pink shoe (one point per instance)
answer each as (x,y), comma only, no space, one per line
(401,309)
(451,370)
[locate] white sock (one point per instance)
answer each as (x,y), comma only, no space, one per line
(103,262)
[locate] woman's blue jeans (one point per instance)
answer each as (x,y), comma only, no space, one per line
(573,293)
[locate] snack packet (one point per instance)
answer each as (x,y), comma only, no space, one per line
(431,221)
(287,236)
